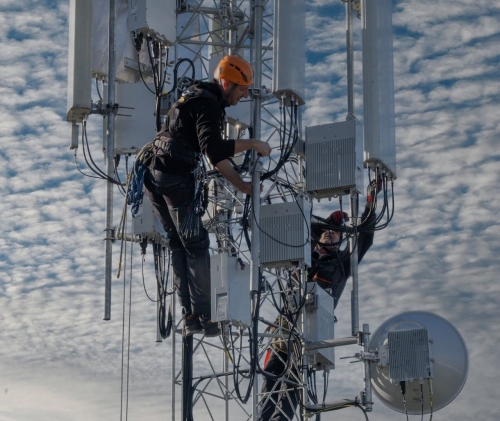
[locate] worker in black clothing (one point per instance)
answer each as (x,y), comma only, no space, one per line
(193,127)
(331,267)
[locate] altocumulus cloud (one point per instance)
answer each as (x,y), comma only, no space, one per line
(439,254)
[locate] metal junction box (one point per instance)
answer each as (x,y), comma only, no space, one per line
(319,325)
(334,159)
(146,224)
(230,290)
(285,237)
(409,357)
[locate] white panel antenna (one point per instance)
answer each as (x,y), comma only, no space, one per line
(155,18)
(289,53)
(135,125)
(285,233)
(79,61)
(378,86)
(127,66)
(334,156)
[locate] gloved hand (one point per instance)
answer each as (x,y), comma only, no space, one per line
(373,189)
(337,217)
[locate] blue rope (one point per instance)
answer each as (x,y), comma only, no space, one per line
(136,194)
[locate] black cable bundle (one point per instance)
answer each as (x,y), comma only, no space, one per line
(286,148)
(162,271)
(100,174)
(192,224)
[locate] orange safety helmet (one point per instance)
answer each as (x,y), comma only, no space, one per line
(234,69)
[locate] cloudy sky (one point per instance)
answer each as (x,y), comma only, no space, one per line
(60,361)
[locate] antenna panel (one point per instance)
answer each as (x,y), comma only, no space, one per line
(79,60)
(289,49)
(378,85)
(334,158)
(127,66)
(135,126)
(230,290)
(156,18)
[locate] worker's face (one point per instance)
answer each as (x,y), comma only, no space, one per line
(330,241)
(237,93)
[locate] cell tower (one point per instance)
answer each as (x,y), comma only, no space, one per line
(142,55)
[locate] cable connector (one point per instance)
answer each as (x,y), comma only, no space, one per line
(138,39)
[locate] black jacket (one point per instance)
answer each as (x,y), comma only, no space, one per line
(333,270)
(196,121)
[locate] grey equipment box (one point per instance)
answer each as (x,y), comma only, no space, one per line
(334,158)
(319,325)
(409,357)
(230,290)
(285,233)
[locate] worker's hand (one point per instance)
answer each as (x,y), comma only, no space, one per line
(337,217)
(247,187)
(373,189)
(262,148)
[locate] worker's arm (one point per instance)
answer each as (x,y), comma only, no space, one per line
(230,174)
(262,148)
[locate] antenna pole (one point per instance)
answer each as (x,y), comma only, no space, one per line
(354,265)
(110,136)
(258,13)
(350,61)
(365,337)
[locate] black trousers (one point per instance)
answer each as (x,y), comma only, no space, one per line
(171,195)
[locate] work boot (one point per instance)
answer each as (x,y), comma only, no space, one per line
(211,329)
(192,324)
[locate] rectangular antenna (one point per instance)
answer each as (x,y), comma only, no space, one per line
(378,85)
(79,60)
(289,49)
(156,18)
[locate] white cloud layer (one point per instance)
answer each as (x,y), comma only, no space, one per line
(60,361)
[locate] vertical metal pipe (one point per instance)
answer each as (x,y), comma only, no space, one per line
(305,396)
(368,386)
(225,369)
(350,60)
(162,268)
(258,12)
(258,15)
(109,161)
(173,348)
(354,266)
